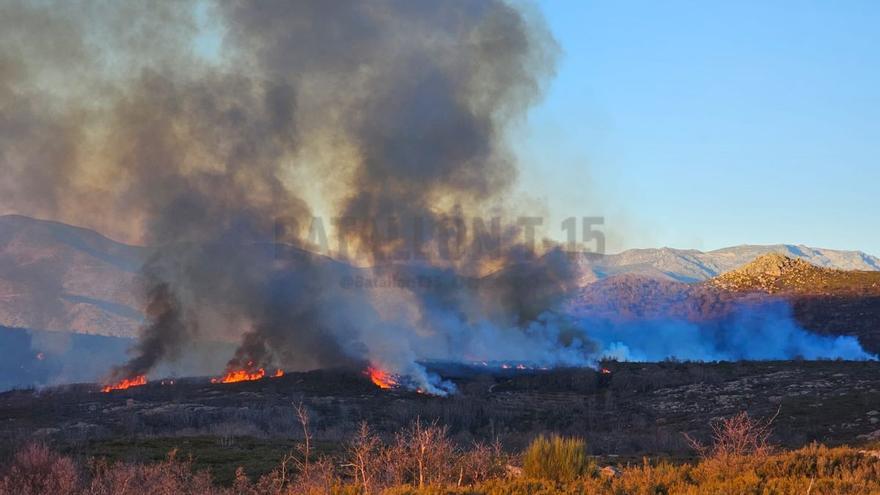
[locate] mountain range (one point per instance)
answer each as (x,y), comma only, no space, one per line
(59,277)
(689,265)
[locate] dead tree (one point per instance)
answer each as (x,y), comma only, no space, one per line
(363,451)
(739,435)
(303,415)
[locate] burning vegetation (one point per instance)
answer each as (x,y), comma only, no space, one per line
(381,378)
(246,375)
(126,383)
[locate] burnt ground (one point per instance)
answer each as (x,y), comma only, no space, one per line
(640,409)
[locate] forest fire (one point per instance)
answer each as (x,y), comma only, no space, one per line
(126,383)
(244,375)
(381,378)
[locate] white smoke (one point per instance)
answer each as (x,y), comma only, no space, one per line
(750,333)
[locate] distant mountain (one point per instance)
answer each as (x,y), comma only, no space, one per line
(697,266)
(61,278)
(57,277)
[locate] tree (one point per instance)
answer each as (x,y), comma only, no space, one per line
(739,435)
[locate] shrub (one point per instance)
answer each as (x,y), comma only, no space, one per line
(738,436)
(36,470)
(557,458)
(169,476)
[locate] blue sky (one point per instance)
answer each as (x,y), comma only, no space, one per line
(708,124)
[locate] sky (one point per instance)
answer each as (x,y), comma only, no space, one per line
(711,124)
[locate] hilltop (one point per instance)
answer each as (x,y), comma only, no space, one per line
(690,266)
(777,273)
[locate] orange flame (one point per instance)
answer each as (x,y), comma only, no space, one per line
(381,378)
(126,383)
(245,376)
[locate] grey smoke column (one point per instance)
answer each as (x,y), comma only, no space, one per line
(112,118)
(420,93)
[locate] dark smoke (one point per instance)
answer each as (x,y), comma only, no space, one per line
(385,112)
(392,109)
(163,335)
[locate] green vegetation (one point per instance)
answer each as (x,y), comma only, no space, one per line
(557,458)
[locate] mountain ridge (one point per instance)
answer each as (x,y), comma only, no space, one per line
(691,265)
(54,276)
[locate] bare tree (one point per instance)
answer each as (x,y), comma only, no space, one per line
(363,451)
(36,469)
(429,452)
(482,462)
(303,415)
(739,435)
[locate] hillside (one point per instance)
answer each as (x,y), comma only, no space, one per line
(58,277)
(777,273)
(822,300)
(688,265)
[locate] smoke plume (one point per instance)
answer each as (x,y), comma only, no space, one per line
(211,132)
(116,116)
(751,332)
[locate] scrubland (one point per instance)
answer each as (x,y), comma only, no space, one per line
(422,458)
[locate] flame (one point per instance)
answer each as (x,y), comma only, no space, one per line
(605,371)
(381,378)
(126,383)
(245,375)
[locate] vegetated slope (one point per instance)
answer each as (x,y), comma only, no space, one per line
(688,265)
(823,300)
(776,273)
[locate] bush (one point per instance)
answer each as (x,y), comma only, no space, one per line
(738,436)
(169,476)
(555,466)
(36,470)
(557,459)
